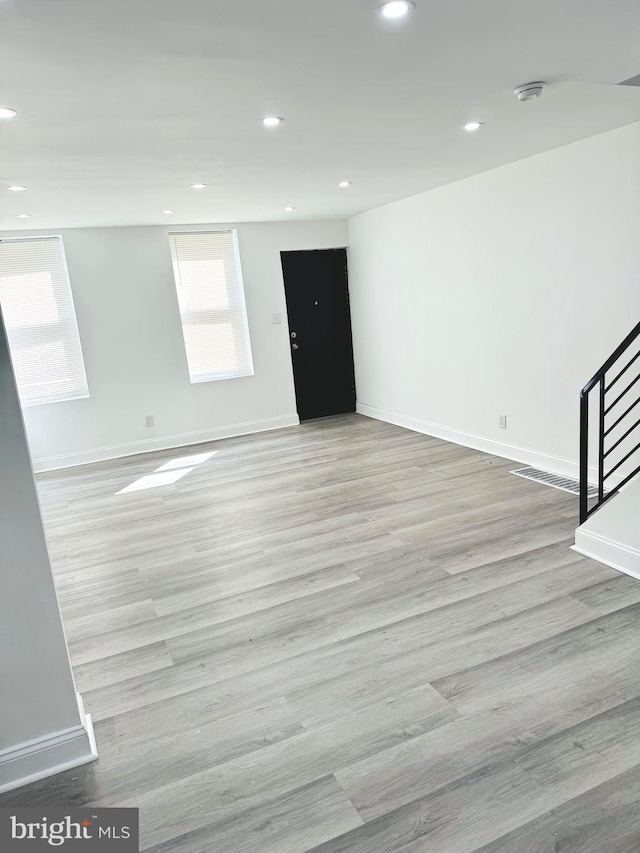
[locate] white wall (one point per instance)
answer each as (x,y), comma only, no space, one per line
(42,729)
(127,310)
(502,293)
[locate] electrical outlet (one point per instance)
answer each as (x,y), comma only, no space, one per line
(148,420)
(276,318)
(503,422)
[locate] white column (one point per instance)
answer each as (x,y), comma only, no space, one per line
(43,727)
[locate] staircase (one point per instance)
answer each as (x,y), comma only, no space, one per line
(610,436)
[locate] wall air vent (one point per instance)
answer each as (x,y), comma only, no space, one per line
(566,484)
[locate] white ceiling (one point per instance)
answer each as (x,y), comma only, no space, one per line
(124,103)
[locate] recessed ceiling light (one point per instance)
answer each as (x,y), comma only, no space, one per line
(198,187)
(272,121)
(7,112)
(168,211)
(396,9)
(289,209)
(17,189)
(473,125)
(344,185)
(24,215)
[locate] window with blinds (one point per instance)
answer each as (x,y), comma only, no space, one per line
(37,306)
(206,266)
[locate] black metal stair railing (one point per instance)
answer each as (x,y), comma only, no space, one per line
(618,409)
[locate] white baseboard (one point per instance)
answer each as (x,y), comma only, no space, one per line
(49,755)
(545,461)
(612,535)
(616,555)
(116,451)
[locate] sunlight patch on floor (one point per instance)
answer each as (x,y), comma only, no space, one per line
(168,473)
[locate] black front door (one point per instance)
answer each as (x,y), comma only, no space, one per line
(317,294)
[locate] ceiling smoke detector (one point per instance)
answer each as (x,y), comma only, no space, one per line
(529,91)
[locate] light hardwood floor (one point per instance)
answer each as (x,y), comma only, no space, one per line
(346,638)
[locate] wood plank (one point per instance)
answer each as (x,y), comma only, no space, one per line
(251,781)
(602,819)
(289,824)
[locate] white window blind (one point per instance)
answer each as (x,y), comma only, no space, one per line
(206,267)
(37,306)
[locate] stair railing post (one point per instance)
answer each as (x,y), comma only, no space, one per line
(601,444)
(584,455)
